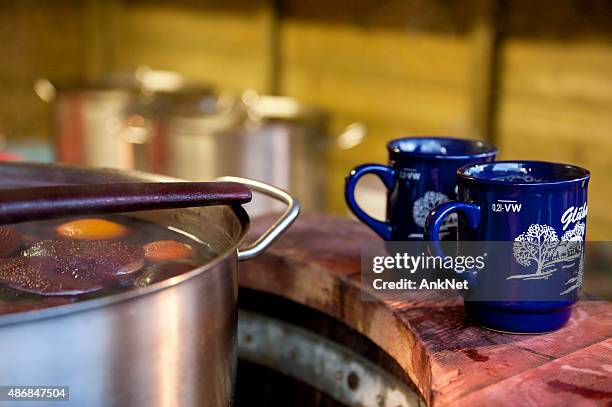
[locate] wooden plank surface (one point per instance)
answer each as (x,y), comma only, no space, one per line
(317,264)
(581,378)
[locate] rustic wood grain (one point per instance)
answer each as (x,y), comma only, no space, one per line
(581,378)
(451,361)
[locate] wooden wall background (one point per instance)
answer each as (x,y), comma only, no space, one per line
(534,77)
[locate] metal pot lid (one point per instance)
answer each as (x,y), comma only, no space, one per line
(229,113)
(211,115)
(268,107)
(143,81)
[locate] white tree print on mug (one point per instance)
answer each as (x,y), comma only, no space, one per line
(574,235)
(541,245)
(535,245)
(425,204)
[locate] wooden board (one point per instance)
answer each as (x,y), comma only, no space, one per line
(317,264)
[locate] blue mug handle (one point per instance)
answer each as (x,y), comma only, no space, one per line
(387,176)
(436,218)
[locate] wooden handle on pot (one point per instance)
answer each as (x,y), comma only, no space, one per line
(48,202)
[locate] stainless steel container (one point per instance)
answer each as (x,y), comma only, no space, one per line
(170,344)
(273,139)
(111,122)
(152,121)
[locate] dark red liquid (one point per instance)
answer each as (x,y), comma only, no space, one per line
(47,269)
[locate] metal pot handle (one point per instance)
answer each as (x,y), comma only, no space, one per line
(278,228)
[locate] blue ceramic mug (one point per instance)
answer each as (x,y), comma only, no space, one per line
(421,173)
(538,211)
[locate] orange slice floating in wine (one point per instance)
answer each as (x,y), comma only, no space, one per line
(165,250)
(92,229)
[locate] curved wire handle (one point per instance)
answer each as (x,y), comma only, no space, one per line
(279,227)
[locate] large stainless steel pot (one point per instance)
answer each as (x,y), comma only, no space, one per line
(170,344)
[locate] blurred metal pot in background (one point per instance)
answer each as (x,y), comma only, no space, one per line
(271,138)
(104,124)
(152,121)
